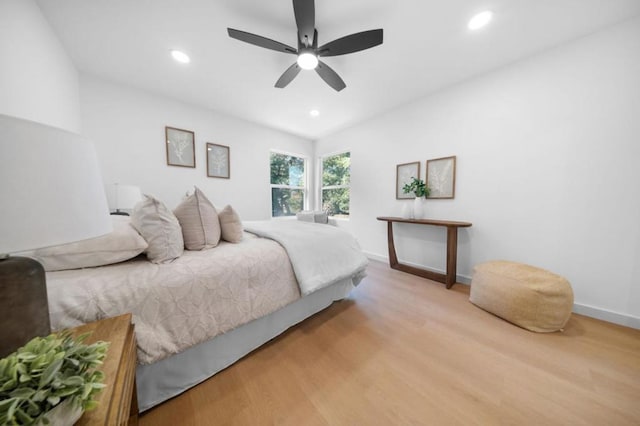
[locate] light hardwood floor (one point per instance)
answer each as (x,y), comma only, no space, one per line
(403,350)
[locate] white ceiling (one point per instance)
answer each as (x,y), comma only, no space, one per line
(427,47)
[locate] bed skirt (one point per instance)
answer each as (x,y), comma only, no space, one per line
(171,376)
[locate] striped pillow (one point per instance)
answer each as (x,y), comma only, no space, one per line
(199,222)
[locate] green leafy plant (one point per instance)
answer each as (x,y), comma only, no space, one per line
(418,187)
(46,371)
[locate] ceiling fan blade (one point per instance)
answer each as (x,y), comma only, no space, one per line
(305,11)
(330,76)
(260,41)
(352,43)
(288,75)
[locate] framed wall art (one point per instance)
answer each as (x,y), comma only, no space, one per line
(218,164)
(404,173)
(180,147)
(441,177)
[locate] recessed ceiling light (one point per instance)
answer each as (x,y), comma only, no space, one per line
(180,56)
(480,20)
(314,113)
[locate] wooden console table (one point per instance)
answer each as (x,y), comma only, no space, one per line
(452,249)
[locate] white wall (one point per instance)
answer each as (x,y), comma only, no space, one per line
(127,126)
(547,169)
(38,81)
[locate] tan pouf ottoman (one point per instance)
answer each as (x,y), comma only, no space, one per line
(527,296)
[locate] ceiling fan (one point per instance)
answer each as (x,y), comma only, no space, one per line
(308,51)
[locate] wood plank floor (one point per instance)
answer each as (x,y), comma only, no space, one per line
(404,350)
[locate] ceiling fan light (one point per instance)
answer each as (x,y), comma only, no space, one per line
(480,20)
(307,61)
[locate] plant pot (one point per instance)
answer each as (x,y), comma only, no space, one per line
(419,208)
(407,211)
(64,414)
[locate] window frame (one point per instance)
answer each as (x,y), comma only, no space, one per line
(321,186)
(305,179)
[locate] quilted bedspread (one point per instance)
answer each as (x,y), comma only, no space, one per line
(183,303)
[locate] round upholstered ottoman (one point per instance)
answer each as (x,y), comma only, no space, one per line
(524,295)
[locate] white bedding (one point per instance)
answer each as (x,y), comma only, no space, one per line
(320,254)
(177,305)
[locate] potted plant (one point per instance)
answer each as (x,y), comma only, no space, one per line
(421,191)
(50,380)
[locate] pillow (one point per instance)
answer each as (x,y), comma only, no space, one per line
(321,217)
(123,243)
(230,224)
(313,216)
(199,221)
(160,228)
(305,216)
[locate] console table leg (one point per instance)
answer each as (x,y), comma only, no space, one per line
(393,259)
(452,255)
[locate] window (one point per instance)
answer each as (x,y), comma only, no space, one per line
(336,178)
(288,184)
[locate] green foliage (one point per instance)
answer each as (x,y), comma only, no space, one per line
(416,186)
(336,201)
(336,171)
(46,371)
(287,170)
(286,202)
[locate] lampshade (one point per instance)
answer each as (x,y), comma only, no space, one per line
(123,197)
(50,186)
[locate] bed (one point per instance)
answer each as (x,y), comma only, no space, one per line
(207,309)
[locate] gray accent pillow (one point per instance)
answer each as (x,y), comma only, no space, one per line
(321,217)
(317,216)
(305,216)
(160,229)
(199,222)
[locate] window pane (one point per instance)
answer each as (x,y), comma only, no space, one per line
(336,201)
(286,202)
(336,170)
(287,170)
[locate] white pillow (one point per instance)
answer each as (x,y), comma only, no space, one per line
(199,222)
(123,243)
(230,224)
(160,228)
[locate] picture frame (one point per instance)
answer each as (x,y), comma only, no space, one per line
(441,177)
(404,173)
(180,145)
(218,161)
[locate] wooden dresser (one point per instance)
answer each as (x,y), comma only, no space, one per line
(118,402)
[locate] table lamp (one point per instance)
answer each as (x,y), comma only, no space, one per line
(123,197)
(52,193)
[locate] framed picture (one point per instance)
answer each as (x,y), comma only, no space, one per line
(404,173)
(218,164)
(441,177)
(180,147)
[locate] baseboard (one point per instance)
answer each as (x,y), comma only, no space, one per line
(461,279)
(606,315)
(586,310)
